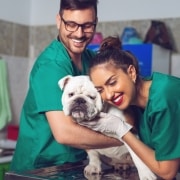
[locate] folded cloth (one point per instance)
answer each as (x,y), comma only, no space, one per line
(5,110)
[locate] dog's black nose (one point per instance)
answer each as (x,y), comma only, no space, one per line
(80,101)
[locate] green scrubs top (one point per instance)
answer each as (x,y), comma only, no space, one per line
(159,127)
(36,146)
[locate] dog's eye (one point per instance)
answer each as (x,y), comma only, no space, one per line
(71,94)
(92,97)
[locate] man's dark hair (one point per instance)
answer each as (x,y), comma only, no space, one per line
(77,4)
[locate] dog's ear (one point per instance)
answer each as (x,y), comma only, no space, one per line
(62,82)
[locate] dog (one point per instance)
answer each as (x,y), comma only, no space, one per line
(81,100)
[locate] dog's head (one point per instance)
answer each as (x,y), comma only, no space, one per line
(80,98)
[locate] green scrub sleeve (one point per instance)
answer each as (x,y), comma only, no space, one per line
(47,93)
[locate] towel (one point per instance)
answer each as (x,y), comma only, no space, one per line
(5,110)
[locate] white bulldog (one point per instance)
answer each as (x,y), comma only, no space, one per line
(81,100)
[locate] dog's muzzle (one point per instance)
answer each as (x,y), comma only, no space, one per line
(78,109)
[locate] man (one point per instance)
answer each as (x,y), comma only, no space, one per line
(48,137)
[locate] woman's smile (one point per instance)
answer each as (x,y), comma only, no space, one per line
(117,100)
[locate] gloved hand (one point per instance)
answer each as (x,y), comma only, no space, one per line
(109,124)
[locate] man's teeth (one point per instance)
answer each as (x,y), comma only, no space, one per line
(77,41)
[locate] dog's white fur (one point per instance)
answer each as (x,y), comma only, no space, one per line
(82,101)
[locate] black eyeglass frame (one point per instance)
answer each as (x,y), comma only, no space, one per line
(76,25)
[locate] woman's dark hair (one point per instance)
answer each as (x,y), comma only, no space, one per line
(111,51)
(77,4)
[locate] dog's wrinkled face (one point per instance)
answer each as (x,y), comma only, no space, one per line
(80,98)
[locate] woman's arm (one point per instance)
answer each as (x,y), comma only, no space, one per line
(165,169)
(67,132)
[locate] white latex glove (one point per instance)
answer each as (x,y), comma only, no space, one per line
(109,124)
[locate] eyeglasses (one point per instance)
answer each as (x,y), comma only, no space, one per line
(71,26)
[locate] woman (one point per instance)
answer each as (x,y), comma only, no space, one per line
(156,99)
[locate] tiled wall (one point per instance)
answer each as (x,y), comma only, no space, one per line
(25,41)
(14,39)
(20,45)
(41,36)
(14,49)
(18,72)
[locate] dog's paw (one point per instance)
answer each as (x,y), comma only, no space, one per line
(125,163)
(92,169)
(122,167)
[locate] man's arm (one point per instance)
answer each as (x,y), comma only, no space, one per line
(66,131)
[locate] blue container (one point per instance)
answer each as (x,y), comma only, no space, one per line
(143,53)
(94,47)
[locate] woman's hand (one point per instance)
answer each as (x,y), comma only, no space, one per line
(109,124)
